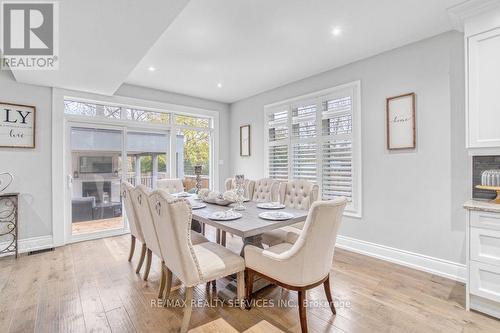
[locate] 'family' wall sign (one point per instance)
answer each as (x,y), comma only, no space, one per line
(17,125)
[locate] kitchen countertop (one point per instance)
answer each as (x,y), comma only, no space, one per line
(482,205)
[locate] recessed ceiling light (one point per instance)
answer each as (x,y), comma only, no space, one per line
(336,31)
(151,68)
(219,85)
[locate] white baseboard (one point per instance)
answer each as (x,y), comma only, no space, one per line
(444,268)
(32,244)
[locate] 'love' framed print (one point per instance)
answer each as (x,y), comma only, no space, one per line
(17,126)
(245,140)
(401,133)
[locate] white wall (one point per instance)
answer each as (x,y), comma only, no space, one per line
(30,167)
(412,199)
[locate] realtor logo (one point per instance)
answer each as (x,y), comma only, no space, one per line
(29,35)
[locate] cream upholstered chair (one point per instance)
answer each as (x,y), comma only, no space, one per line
(230,184)
(298,194)
(191,263)
(304,264)
(141,205)
(170,185)
(151,236)
(135,227)
(266,190)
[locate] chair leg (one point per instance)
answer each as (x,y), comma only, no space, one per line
(132,247)
(168,285)
(148,265)
(240,285)
(162,280)
(302,311)
(188,309)
(141,259)
(328,293)
(249,276)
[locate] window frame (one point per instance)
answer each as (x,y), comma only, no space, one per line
(354,208)
(59,123)
(135,125)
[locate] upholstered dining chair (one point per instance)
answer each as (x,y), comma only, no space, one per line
(141,205)
(298,194)
(135,228)
(266,190)
(170,185)
(192,264)
(151,235)
(306,263)
(230,184)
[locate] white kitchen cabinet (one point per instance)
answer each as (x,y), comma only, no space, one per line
(483,257)
(483,89)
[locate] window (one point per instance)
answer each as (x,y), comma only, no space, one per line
(317,138)
(192,121)
(89,109)
(147,116)
(183,141)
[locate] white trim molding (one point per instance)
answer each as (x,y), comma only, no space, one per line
(459,13)
(444,268)
(32,244)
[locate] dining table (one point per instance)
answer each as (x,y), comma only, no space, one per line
(249,226)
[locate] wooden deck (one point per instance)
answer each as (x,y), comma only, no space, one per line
(90,287)
(96,225)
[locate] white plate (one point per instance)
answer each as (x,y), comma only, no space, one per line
(271,205)
(276,216)
(198,205)
(225,216)
(182,195)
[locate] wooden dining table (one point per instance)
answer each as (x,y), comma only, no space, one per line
(250,226)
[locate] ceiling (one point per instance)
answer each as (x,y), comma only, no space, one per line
(253,46)
(245,47)
(101,42)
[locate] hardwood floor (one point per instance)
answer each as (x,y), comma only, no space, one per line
(90,287)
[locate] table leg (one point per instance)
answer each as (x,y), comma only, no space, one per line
(252,240)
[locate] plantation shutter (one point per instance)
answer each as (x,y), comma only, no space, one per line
(277,124)
(304,133)
(337,149)
(304,161)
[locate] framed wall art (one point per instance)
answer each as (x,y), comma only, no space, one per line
(401,124)
(245,140)
(17,126)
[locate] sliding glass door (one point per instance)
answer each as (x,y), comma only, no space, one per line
(147,158)
(108,144)
(96,173)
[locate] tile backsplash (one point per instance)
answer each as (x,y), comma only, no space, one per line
(479,164)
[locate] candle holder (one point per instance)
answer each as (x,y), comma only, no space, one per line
(197,172)
(240,192)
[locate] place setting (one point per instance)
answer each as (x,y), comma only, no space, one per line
(270,205)
(276,216)
(227,215)
(198,205)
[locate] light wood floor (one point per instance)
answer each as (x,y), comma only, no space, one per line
(90,287)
